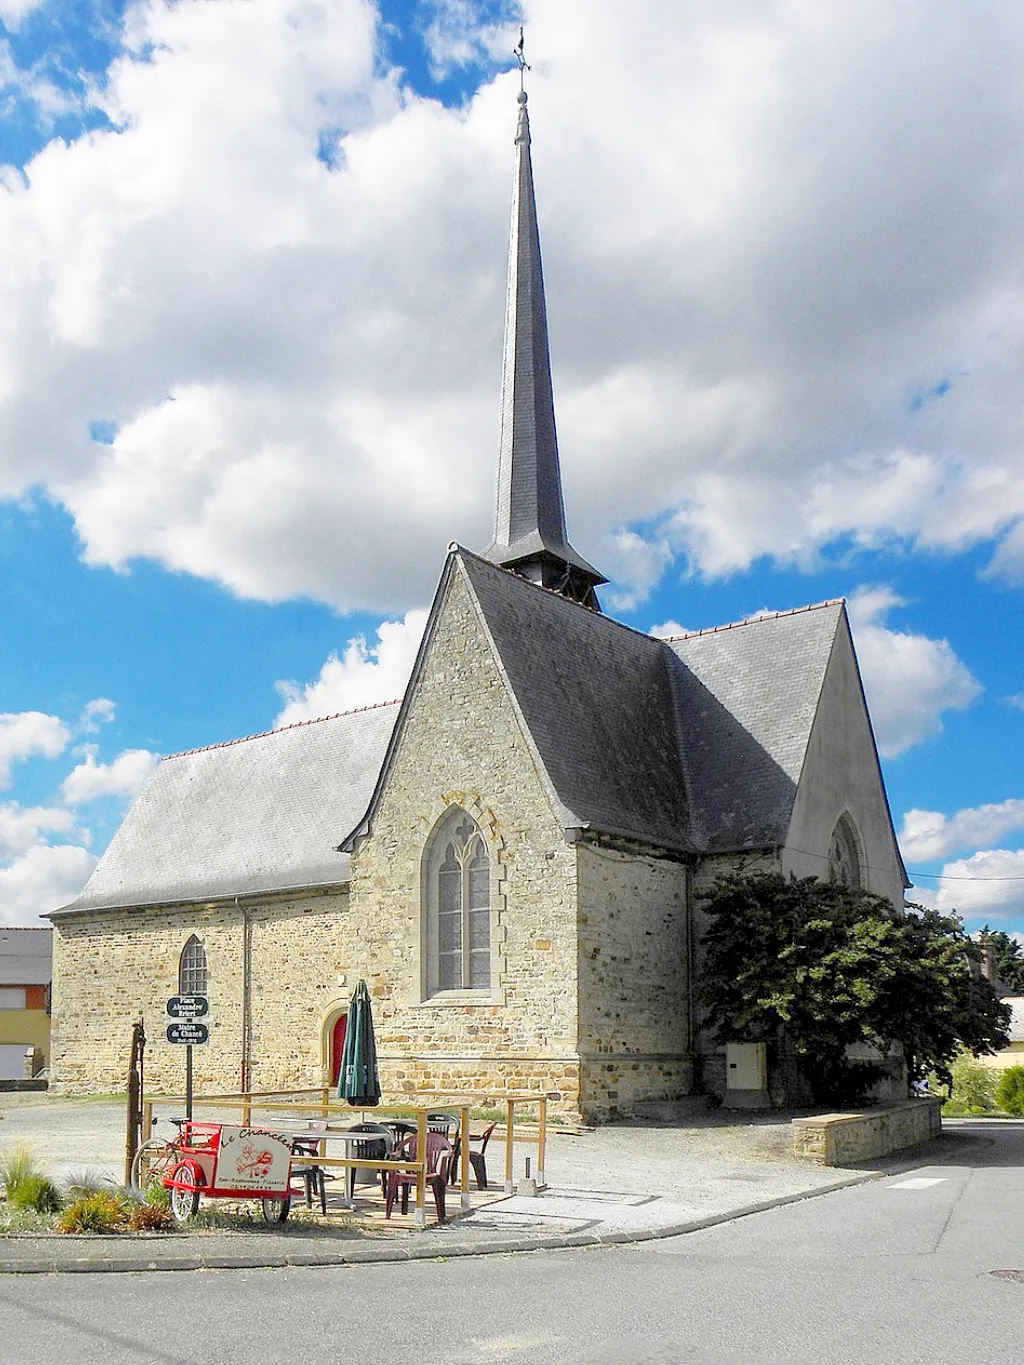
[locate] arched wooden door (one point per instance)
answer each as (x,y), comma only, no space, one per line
(337,1046)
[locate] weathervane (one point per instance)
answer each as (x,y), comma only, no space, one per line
(524,65)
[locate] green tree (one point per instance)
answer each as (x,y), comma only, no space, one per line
(1010,1091)
(1009,958)
(824,966)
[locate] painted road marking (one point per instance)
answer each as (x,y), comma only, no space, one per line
(919,1182)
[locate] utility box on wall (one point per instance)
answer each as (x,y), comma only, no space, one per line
(746,1066)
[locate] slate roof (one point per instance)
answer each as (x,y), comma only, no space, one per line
(529,510)
(747,697)
(26,957)
(258,814)
(693,744)
(598,701)
(1016,1004)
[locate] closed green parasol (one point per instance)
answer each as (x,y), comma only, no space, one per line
(358,1081)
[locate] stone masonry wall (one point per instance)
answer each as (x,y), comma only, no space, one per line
(848,1139)
(110,968)
(463,745)
(633,947)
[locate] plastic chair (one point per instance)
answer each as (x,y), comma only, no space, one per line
(379,1149)
(476,1159)
(439,1158)
(448,1124)
(308,1169)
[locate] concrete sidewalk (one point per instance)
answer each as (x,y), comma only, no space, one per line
(620,1183)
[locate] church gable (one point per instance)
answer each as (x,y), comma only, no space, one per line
(747,696)
(841,825)
(464,816)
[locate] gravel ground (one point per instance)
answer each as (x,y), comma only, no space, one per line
(69,1134)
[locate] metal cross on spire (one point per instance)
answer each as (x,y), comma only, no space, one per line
(524,65)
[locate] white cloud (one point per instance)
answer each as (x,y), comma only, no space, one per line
(774,323)
(362,676)
(928,834)
(24,734)
(123,777)
(455,38)
(989,883)
(44,878)
(22,826)
(99,711)
(668,630)
(909,679)
(13,11)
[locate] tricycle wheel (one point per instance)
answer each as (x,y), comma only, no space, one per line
(184,1196)
(276,1210)
(152,1162)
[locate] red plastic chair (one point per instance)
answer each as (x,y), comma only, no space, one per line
(476,1159)
(439,1160)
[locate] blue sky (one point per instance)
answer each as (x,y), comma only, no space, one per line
(252,266)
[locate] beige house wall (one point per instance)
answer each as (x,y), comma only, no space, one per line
(634,980)
(1013,1055)
(29,1027)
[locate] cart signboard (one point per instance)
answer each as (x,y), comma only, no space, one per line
(252,1160)
(190,1032)
(188,1007)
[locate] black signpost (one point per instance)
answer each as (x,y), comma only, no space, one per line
(189,1027)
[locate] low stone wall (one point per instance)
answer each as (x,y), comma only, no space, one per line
(847,1139)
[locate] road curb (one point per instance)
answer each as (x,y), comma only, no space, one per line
(370,1253)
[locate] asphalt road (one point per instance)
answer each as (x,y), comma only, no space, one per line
(896,1270)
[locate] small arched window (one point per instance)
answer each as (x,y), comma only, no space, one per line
(844,864)
(457,887)
(192,968)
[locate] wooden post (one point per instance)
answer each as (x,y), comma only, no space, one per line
(464,1154)
(420,1217)
(247,1110)
(509,1181)
(542,1139)
(147,1120)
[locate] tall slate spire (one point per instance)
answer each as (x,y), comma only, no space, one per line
(529,524)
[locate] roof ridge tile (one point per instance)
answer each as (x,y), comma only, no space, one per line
(282,729)
(753,620)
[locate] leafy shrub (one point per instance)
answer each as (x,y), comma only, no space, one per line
(100,1211)
(17,1165)
(35,1191)
(973,1087)
(106,1210)
(150,1218)
(157,1195)
(27,1187)
(1010,1091)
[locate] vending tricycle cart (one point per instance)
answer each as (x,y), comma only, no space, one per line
(229,1161)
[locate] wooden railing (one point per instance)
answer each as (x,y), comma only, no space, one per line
(324,1106)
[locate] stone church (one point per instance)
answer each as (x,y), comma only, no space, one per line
(512,855)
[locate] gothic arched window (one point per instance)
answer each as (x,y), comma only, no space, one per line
(457,887)
(192,968)
(844,854)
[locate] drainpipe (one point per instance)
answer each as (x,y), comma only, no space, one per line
(246,996)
